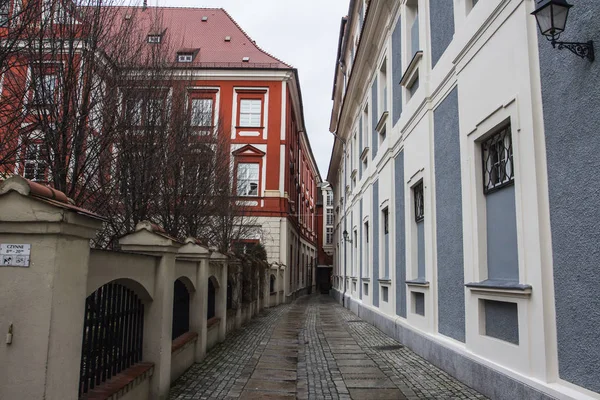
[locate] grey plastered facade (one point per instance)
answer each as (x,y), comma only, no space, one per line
(441,16)
(400,249)
(396,72)
(570,107)
(450,261)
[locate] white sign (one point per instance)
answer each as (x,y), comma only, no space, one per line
(15,255)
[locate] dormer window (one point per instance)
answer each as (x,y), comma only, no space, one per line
(246,59)
(154,38)
(185,57)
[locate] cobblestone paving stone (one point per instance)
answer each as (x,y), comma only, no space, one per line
(314,349)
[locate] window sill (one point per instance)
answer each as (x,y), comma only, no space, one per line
(364,153)
(121,383)
(249,127)
(365,279)
(419,282)
(353,174)
(382,120)
(499,287)
(413,67)
(182,340)
(387,281)
(354,279)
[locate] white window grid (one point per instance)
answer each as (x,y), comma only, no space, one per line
(35,164)
(247,179)
(250,112)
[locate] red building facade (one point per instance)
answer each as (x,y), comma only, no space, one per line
(256,100)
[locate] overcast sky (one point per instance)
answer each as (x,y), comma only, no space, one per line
(303,33)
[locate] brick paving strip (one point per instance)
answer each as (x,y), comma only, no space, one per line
(314,349)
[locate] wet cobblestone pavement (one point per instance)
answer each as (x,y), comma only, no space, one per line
(314,349)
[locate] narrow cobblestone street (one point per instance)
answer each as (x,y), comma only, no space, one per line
(314,349)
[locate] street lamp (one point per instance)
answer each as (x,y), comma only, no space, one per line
(346,236)
(551,17)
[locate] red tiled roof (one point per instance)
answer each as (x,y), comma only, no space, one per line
(186,30)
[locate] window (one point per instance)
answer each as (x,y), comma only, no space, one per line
(44,89)
(384,293)
(383,103)
(185,57)
(154,38)
(4,12)
(330,198)
(250,112)
(35,162)
(419,202)
(386,221)
(329,236)
(329,216)
(201,112)
(366,244)
(498,167)
(247,179)
(143,111)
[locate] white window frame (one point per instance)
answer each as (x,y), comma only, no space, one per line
(245,179)
(200,118)
(251,117)
(185,57)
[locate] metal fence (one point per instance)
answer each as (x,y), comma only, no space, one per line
(181,309)
(112,334)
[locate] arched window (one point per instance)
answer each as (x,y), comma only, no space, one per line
(272,284)
(211,299)
(181,309)
(229,295)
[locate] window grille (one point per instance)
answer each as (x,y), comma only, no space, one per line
(419,202)
(181,310)
(497,156)
(113,329)
(211,308)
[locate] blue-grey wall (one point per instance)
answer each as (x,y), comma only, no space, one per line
(396,73)
(400,235)
(360,257)
(450,263)
(419,299)
(501,216)
(571,121)
(414,36)
(374,120)
(441,21)
(421,249)
(501,320)
(375,213)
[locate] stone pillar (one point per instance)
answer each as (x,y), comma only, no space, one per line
(221,300)
(158,318)
(193,251)
(42,301)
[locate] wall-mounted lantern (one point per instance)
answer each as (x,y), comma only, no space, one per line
(347,237)
(551,16)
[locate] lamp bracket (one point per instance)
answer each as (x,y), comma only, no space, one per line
(583,50)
